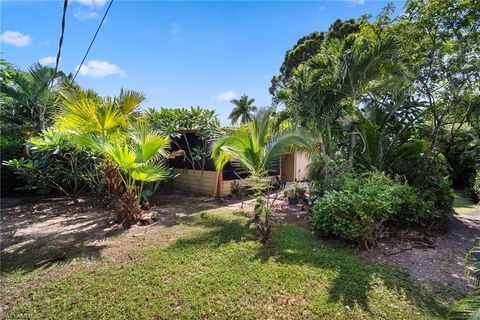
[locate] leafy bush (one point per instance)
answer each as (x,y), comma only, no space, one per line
(476,184)
(11,147)
(56,164)
(324,173)
(430,175)
(365,205)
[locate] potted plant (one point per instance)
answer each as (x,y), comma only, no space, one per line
(299,190)
(292,196)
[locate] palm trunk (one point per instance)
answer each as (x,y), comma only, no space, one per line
(353,143)
(321,143)
(353,136)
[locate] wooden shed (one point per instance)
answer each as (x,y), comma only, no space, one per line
(294,166)
(208,181)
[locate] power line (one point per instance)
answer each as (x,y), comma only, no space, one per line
(60,43)
(93,40)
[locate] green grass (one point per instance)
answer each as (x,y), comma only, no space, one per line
(216,269)
(463,205)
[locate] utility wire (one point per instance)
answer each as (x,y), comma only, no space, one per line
(93,40)
(60,43)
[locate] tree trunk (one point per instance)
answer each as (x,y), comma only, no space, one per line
(353,136)
(353,143)
(321,143)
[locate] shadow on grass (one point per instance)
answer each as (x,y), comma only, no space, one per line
(34,229)
(356,277)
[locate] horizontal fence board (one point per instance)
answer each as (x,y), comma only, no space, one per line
(197,181)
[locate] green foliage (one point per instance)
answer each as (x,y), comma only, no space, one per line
(476,184)
(177,123)
(238,190)
(29,99)
(255,148)
(84,112)
(11,147)
(429,174)
(56,163)
(307,47)
(365,205)
(384,134)
(468,308)
(175,120)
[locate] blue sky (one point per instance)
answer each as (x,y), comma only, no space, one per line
(177,53)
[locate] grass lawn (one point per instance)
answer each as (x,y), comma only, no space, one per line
(211,266)
(463,205)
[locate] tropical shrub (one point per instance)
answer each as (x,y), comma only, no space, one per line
(237,190)
(476,184)
(191,131)
(257,149)
(364,207)
(11,147)
(324,173)
(429,174)
(56,164)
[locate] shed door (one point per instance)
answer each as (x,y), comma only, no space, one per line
(288,167)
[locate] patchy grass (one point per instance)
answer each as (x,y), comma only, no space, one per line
(212,267)
(463,205)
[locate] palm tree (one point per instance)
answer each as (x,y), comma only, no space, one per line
(256,148)
(365,61)
(140,158)
(339,77)
(243,109)
(84,112)
(310,97)
(134,152)
(28,101)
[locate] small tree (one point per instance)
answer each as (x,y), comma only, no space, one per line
(178,123)
(256,148)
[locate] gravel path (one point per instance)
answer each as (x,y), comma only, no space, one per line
(439,264)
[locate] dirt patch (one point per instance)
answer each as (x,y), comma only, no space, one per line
(437,263)
(38,228)
(282,211)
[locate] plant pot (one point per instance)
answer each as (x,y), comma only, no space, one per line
(292,200)
(301,193)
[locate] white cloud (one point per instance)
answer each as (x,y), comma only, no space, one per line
(357,1)
(100,69)
(92,3)
(84,15)
(226,96)
(47,60)
(15,38)
(175,28)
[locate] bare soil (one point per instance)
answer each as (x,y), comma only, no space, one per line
(438,263)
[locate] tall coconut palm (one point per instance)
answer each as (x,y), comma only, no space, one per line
(243,109)
(258,149)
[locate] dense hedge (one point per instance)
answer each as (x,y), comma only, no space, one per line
(364,206)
